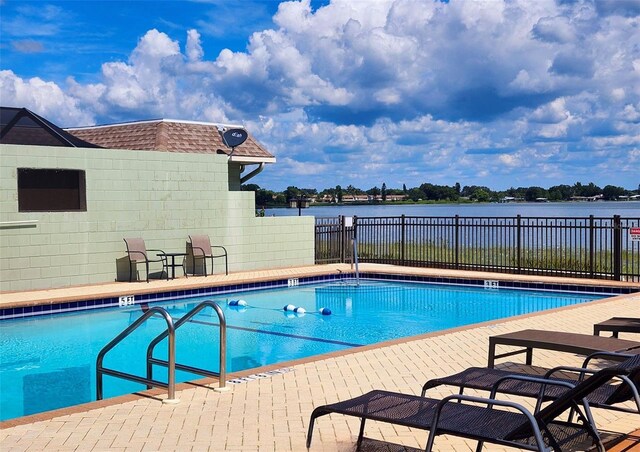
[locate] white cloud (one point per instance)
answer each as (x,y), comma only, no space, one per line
(28,46)
(304,168)
(194,48)
(631,113)
(509,160)
(43,98)
(405,86)
(554,29)
(551,113)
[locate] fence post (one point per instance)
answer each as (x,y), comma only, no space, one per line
(519,243)
(354,238)
(343,236)
(617,248)
(591,245)
(402,240)
(456,243)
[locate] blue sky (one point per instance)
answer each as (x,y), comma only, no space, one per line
(497,93)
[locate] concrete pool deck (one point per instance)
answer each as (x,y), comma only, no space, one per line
(272,414)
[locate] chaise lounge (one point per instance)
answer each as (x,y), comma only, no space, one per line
(498,380)
(489,420)
(616,325)
(580,344)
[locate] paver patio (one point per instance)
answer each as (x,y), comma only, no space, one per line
(272,414)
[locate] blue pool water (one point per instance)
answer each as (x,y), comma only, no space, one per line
(48,362)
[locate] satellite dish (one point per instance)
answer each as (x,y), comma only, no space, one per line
(234,137)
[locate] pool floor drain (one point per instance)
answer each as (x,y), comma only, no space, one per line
(260,376)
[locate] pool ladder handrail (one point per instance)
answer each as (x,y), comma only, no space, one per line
(222,375)
(171,380)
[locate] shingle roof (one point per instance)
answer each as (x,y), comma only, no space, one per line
(171,136)
(22,126)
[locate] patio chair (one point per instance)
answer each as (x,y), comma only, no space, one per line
(137,252)
(489,420)
(498,380)
(617,325)
(201,248)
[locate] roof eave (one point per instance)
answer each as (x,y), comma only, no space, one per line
(252,160)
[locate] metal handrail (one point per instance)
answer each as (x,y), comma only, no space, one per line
(222,375)
(171,381)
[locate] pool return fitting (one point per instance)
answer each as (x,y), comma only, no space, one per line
(170,363)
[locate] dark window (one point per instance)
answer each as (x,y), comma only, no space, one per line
(51,190)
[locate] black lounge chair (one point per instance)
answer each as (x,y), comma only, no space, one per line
(201,248)
(498,380)
(488,420)
(138,252)
(617,325)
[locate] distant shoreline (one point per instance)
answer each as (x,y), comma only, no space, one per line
(565,209)
(453,203)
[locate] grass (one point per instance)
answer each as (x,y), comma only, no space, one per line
(442,254)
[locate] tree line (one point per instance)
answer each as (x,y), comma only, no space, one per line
(428,192)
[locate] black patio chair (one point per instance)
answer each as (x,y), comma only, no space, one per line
(138,252)
(498,380)
(490,420)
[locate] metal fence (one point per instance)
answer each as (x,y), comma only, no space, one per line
(587,247)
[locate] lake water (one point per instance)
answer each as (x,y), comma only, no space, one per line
(606,209)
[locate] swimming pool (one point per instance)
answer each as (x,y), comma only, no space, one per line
(48,362)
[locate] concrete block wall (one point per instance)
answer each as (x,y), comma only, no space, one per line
(160,196)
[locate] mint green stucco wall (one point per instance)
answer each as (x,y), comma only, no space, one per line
(160,196)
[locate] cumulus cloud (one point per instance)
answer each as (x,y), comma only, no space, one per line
(45,98)
(413,89)
(551,113)
(554,29)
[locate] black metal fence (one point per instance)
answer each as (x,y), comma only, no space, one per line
(588,247)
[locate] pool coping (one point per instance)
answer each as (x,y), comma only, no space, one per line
(157,393)
(212,382)
(78,298)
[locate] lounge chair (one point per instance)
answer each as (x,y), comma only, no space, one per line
(497,380)
(617,325)
(580,344)
(137,252)
(201,248)
(488,420)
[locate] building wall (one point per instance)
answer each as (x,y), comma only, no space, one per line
(160,196)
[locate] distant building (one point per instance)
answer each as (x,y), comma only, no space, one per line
(355,198)
(391,198)
(299,203)
(325,198)
(587,198)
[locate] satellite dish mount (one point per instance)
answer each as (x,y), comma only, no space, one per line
(233,138)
